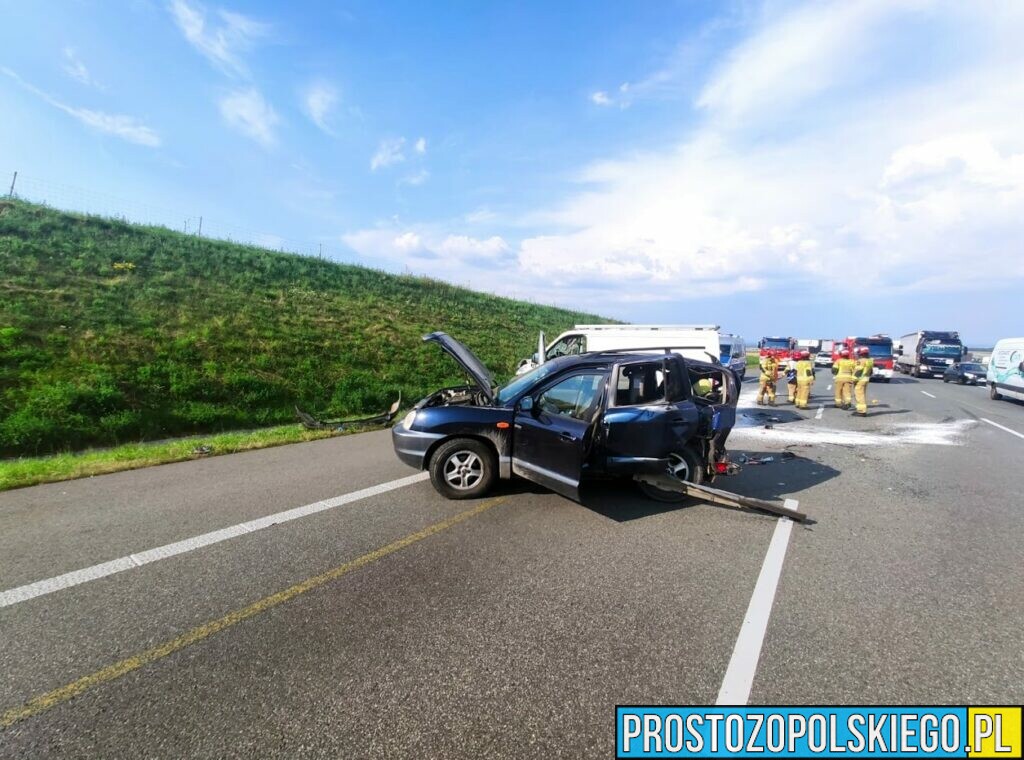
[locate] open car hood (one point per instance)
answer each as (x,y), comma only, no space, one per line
(467,359)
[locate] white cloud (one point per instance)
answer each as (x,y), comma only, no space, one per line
(600,98)
(77,70)
(407,242)
(224,43)
(319,101)
(127,128)
(421,145)
(389,152)
(446,253)
(416,178)
(466,247)
(806,163)
(247,112)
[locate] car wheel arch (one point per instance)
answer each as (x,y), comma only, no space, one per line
(429,456)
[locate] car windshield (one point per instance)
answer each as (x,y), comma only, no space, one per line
(879,350)
(972,368)
(518,385)
(939,349)
(776,343)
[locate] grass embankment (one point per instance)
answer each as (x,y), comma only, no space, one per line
(112,333)
(753,360)
(30,471)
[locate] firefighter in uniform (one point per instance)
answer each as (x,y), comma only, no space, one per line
(769,374)
(791,376)
(862,376)
(804,379)
(843,370)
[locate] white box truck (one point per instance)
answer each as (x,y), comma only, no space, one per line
(701,342)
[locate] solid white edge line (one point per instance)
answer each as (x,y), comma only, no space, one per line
(820,412)
(94,572)
(929,395)
(1002,427)
(739,676)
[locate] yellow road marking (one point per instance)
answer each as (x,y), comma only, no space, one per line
(53,698)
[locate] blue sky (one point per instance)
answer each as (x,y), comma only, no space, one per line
(816,169)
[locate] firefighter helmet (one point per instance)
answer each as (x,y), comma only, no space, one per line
(863,351)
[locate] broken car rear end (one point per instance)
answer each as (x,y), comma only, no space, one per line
(625,413)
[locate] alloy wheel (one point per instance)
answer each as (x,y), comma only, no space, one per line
(463,470)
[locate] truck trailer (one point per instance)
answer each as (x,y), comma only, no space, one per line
(928,353)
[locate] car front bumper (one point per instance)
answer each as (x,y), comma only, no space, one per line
(411,446)
(886,373)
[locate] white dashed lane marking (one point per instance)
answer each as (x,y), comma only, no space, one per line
(1003,427)
(929,395)
(739,676)
(821,411)
(102,570)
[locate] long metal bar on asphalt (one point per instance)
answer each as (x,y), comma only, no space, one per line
(102,570)
(739,675)
(729,499)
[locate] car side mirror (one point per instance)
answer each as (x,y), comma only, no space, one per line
(526,404)
(1020,368)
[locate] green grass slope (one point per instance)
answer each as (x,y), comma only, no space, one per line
(112,332)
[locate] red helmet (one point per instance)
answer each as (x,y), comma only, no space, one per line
(845,353)
(863,351)
(805,354)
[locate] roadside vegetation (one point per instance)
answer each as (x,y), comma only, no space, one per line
(113,333)
(29,471)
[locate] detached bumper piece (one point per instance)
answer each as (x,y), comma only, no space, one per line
(723,498)
(312,423)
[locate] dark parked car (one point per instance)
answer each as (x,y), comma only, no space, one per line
(616,413)
(965,373)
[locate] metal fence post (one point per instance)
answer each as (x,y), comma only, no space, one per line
(10,193)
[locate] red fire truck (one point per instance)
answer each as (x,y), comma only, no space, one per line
(879,349)
(782,348)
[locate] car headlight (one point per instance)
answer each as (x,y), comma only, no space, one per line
(409,419)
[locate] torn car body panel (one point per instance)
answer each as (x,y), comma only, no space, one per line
(312,423)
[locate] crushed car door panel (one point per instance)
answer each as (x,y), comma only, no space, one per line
(649,416)
(553,431)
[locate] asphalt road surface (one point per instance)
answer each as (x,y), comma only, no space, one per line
(391,623)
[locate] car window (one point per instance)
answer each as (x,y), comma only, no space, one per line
(576,396)
(642,383)
(569,346)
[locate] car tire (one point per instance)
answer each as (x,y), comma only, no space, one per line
(993,393)
(463,468)
(945,379)
(688,465)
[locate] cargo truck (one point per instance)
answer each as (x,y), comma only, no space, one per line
(928,353)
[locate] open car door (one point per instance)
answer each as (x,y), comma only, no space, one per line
(553,430)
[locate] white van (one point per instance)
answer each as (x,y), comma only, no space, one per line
(1005,375)
(734,354)
(693,341)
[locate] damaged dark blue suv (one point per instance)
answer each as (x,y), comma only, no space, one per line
(618,413)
